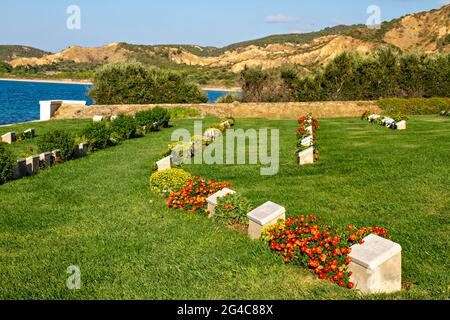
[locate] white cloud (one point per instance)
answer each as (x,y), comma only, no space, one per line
(445,2)
(280,18)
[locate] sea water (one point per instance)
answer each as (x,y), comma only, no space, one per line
(19,100)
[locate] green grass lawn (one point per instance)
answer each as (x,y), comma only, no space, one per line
(98,213)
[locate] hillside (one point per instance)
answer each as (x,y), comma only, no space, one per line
(11,52)
(425,31)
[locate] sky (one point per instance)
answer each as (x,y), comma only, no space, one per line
(44,24)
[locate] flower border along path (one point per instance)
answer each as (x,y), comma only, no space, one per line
(350,257)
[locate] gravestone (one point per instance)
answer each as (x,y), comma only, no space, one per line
(83,149)
(113,118)
(56,154)
(9,137)
(212,200)
(30,133)
(212,134)
(20,170)
(164,164)
(376,265)
(226,124)
(306,156)
(45,159)
(97,118)
(32,164)
(401,125)
(307,142)
(267,214)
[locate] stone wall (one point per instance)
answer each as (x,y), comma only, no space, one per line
(291,110)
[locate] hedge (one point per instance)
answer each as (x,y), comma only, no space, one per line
(414,106)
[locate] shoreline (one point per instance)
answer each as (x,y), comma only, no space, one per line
(62,81)
(87,82)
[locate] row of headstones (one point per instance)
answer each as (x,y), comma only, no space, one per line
(307,156)
(445,113)
(211,134)
(11,137)
(376,264)
(31,165)
(388,122)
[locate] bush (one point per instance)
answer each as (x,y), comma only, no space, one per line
(386,73)
(168,181)
(161,116)
(58,139)
(263,86)
(232,209)
(123,128)
(229,98)
(97,135)
(7,163)
(147,118)
(414,106)
(135,83)
(183,113)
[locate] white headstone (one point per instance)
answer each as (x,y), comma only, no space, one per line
(83,149)
(97,118)
(31,132)
(164,164)
(9,137)
(114,117)
(376,265)
(20,170)
(306,156)
(45,159)
(307,142)
(212,200)
(32,164)
(373,117)
(212,134)
(401,125)
(267,214)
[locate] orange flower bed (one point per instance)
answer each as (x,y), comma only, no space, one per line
(322,249)
(192,197)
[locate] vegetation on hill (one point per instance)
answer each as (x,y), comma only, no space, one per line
(135,83)
(9,52)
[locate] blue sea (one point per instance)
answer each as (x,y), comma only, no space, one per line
(19,100)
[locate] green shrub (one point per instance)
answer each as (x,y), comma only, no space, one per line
(183,113)
(232,209)
(58,139)
(229,98)
(170,180)
(123,128)
(414,106)
(97,135)
(135,83)
(147,118)
(7,163)
(161,116)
